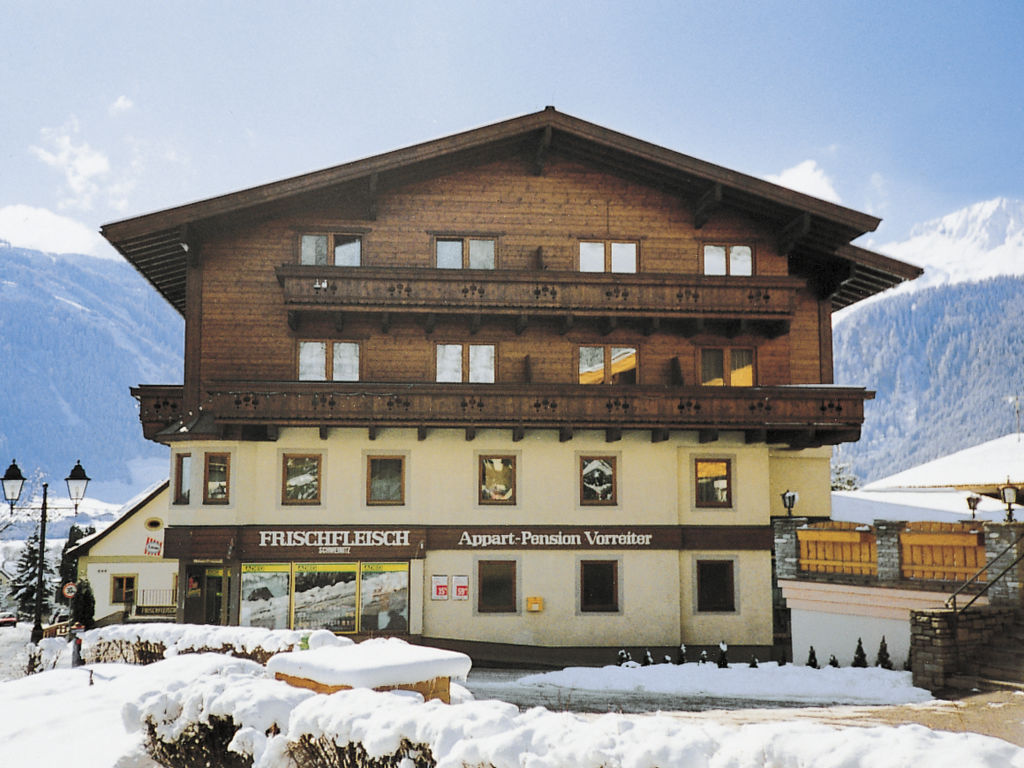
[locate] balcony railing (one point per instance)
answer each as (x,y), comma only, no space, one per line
(536,293)
(808,415)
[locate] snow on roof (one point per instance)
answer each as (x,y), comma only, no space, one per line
(990,464)
(937,505)
(372,664)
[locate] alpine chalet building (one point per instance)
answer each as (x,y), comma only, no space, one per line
(531,391)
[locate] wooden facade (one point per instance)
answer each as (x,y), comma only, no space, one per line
(541,243)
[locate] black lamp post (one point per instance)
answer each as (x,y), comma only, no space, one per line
(77,481)
(789,500)
(972,503)
(1009,496)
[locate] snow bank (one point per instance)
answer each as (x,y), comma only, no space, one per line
(372,664)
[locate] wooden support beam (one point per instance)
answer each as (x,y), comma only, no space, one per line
(371,433)
(293,319)
(609,324)
(475,321)
(539,258)
(659,435)
(691,327)
(791,234)
(568,320)
(753,436)
(429,323)
(612,435)
(273,432)
(339,321)
(373,184)
(518,433)
(385,322)
(564,434)
(470,434)
(325,432)
(521,322)
(708,203)
(651,325)
(528,369)
(540,158)
(707,435)
(421,433)
(677,372)
(189,244)
(733,328)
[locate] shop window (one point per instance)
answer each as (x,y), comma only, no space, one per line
(265,589)
(384,597)
(727,367)
(497,480)
(182,475)
(713,482)
(465,362)
(597,480)
(122,590)
(300,483)
(599,586)
(328,361)
(325,596)
(607,256)
(465,253)
(728,260)
(608,365)
(716,590)
(217,479)
(496,586)
(339,250)
(385,480)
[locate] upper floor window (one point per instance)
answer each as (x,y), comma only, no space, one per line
(217,479)
(182,475)
(497,480)
(607,365)
(465,253)
(465,362)
(328,361)
(713,482)
(597,480)
(728,260)
(300,483)
(727,367)
(336,249)
(385,480)
(607,256)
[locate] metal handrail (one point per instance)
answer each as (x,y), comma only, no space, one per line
(951,600)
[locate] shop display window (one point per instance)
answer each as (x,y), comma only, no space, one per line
(326,595)
(384,597)
(266,595)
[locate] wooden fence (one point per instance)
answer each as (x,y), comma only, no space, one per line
(836,547)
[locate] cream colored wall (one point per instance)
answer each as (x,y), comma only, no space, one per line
(751,622)
(809,473)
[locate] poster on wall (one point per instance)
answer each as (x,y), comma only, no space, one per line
(438,587)
(325,596)
(384,597)
(460,587)
(265,595)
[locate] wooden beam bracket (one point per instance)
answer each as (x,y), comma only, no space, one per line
(706,205)
(293,319)
(540,158)
(793,232)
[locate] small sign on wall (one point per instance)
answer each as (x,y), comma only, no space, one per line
(154,547)
(438,587)
(460,586)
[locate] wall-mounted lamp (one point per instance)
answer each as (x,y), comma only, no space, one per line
(1009,496)
(789,500)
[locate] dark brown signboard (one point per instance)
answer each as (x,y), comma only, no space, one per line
(554,537)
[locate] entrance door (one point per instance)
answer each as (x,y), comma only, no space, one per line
(204,595)
(213,595)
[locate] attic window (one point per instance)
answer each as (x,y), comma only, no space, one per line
(339,250)
(154,524)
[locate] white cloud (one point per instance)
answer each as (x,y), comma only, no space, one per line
(81,165)
(809,178)
(24,226)
(123,104)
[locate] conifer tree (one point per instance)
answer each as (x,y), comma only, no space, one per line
(648,659)
(723,661)
(812,659)
(69,565)
(83,605)
(833,661)
(883,660)
(753,662)
(23,586)
(681,658)
(860,659)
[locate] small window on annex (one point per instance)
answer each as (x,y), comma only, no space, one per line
(597,480)
(465,362)
(122,589)
(217,479)
(328,361)
(599,586)
(496,586)
(608,365)
(385,480)
(465,253)
(497,480)
(735,260)
(300,483)
(607,256)
(325,250)
(713,482)
(716,590)
(182,477)
(727,367)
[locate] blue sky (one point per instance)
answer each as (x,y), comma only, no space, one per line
(907,110)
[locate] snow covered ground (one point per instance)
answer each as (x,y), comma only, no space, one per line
(79,716)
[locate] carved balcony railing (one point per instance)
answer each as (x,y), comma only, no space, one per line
(799,416)
(536,293)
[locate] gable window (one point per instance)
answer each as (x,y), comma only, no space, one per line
(599,586)
(496,586)
(337,250)
(728,260)
(497,480)
(385,480)
(727,367)
(716,589)
(597,480)
(464,253)
(607,256)
(713,482)
(300,482)
(328,361)
(182,474)
(607,365)
(217,479)
(122,589)
(465,362)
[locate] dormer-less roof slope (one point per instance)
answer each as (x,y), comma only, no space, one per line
(814,233)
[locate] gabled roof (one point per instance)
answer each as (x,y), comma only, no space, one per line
(124,514)
(157,244)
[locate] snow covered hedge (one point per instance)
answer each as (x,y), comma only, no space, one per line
(147,643)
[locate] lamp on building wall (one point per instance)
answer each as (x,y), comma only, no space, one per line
(13,480)
(789,500)
(972,503)
(1009,496)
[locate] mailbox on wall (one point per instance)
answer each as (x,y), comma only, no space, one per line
(534,604)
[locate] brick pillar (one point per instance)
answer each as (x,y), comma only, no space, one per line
(787,548)
(1009,590)
(887,540)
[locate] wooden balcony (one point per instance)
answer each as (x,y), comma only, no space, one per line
(800,416)
(536,293)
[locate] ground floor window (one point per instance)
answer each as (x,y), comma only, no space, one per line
(122,589)
(496,586)
(599,586)
(341,597)
(715,586)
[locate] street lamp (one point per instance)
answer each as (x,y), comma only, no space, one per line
(1009,496)
(13,481)
(972,503)
(789,500)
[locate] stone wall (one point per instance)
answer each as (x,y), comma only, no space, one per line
(944,644)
